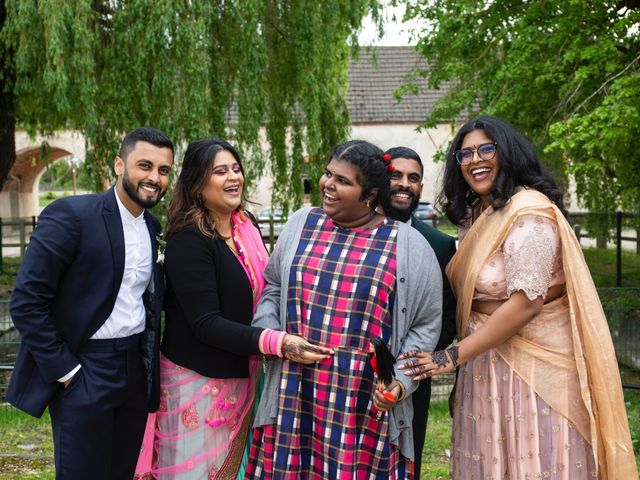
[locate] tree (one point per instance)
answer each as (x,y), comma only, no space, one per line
(7,105)
(567,72)
(191,69)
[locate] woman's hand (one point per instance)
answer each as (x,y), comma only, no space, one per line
(427,364)
(297,349)
(384,399)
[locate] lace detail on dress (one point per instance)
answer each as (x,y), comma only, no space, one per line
(530,251)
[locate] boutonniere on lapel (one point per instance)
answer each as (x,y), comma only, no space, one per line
(161,246)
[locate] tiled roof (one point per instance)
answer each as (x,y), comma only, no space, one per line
(376,77)
(373,81)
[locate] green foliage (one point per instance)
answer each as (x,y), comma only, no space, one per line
(564,71)
(191,69)
(59,176)
(8,272)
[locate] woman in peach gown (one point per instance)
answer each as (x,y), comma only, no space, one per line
(538,393)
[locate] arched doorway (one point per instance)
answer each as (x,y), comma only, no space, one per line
(19,196)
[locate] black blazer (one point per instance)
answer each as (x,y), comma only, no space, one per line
(208,307)
(66,289)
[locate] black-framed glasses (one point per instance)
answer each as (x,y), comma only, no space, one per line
(486,151)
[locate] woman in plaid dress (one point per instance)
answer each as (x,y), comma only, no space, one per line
(340,275)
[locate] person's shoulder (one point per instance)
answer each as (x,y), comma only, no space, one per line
(413,236)
(188,232)
(296,218)
(302,213)
(431,233)
(78,205)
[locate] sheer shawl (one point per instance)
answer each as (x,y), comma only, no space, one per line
(591,397)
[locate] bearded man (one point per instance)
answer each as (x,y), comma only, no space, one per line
(87,303)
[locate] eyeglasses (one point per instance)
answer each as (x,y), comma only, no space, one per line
(486,151)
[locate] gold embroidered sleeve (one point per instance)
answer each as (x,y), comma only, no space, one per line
(529,253)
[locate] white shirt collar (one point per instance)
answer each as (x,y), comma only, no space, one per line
(125,214)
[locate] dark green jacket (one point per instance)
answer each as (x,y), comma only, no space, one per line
(444,247)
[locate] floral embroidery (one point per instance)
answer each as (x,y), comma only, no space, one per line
(529,259)
(190,418)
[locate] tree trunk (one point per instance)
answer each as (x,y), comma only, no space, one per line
(7,106)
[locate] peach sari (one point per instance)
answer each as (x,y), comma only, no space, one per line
(561,364)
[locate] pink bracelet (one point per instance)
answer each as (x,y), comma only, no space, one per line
(281,337)
(273,343)
(270,342)
(261,342)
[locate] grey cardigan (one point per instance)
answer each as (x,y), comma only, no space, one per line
(416,323)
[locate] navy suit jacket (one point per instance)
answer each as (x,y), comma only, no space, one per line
(66,289)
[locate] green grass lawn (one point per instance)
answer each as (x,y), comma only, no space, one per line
(602,264)
(27,447)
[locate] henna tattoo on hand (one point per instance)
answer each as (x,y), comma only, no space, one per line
(410,353)
(453,353)
(293,351)
(440,358)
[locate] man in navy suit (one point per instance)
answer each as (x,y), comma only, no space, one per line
(406,188)
(87,303)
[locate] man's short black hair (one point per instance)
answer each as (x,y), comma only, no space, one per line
(405,152)
(144,134)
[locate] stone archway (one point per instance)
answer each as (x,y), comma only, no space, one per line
(19,196)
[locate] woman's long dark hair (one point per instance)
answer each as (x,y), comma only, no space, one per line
(519,166)
(373,171)
(186,207)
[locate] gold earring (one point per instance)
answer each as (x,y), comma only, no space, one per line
(368,203)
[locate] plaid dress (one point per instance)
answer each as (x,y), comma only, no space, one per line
(341,293)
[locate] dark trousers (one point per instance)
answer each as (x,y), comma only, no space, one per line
(421,399)
(98,421)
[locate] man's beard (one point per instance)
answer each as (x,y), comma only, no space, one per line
(132,191)
(403,214)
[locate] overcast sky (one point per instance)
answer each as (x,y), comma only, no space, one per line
(396,32)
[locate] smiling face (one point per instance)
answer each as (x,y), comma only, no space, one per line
(222,194)
(480,174)
(406,187)
(143,176)
(342,193)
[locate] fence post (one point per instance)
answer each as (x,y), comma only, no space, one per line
(576,229)
(23,236)
(1,255)
(618,249)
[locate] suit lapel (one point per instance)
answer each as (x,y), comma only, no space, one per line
(113,225)
(156,273)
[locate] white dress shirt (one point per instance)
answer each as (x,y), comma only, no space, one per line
(128,316)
